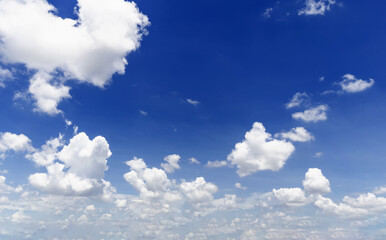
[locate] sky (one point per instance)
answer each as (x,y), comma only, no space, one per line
(192,119)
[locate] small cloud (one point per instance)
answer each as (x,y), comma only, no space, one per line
(267,12)
(143,113)
(380,190)
(193,161)
(316,7)
(217,164)
(299,134)
(68,122)
(315,114)
(239,186)
(193,102)
(321,79)
(171,163)
(5,75)
(318,154)
(76,128)
(351,84)
(297,100)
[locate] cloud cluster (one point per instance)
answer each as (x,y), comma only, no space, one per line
(78,169)
(18,143)
(88,49)
(259,151)
(316,7)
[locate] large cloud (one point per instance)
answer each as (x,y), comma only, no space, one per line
(79,170)
(88,49)
(259,151)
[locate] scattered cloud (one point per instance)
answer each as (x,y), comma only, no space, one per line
(267,12)
(193,102)
(316,7)
(171,163)
(297,100)
(216,164)
(315,114)
(89,49)
(259,151)
(315,182)
(351,84)
(318,154)
(298,134)
(239,186)
(143,113)
(193,161)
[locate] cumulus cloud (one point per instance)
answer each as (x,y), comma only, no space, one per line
(199,192)
(171,163)
(315,114)
(88,49)
(293,197)
(79,170)
(259,151)
(351,84)
(316,7)
(48,152)
(14,142)
(297,100)
(151,183)
(315,182)
(299,134)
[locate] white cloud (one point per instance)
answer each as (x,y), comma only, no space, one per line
(143,113)
(351,84)
(239,186)
(193,102)
(217,164)
(315,182)
(171,163)
(152,183)
(298,134)
(316,7)
(297,100)
(293,197)
(5,188)
(88,49)
(5,75)
(318,154)
(48,153)
(259,151)
(379,190)
(46,93)
(199,192)
(193,161)
(267,12)
(315,114)
(68,122)
(17,143)
(80,170)
(19,217)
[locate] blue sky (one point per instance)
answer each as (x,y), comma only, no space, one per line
(105,103)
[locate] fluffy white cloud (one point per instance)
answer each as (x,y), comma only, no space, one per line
(315,182)
(152,183)
(351,84)
(297,100)
(316,7)
(259,151)
(80,170)
(342,210)
(199,192)
(239,186)
(315,114)
(293,197)
(5,75)
(171,163)
(216,164)
(379,190)
(15,142)
(299,134)
(89,49)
